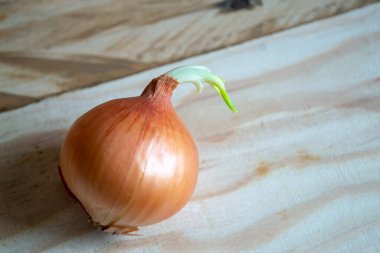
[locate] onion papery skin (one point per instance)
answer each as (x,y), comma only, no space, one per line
(131,162)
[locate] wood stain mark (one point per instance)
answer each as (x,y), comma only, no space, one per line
(303,157)
(283,214)
(261,170)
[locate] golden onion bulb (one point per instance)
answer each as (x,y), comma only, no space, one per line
(132,162)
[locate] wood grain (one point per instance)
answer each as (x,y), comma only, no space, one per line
(296,170)
(49,47)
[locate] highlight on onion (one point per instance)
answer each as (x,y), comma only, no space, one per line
(132,162)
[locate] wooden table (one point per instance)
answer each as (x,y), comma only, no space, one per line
(296,170)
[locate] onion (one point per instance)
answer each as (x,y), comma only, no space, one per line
(132,162)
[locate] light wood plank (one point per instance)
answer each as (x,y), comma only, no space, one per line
(49,47)
(296,170)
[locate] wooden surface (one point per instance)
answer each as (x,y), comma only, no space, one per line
(49,47)
(296,170)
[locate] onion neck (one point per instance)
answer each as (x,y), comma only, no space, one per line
(161,87)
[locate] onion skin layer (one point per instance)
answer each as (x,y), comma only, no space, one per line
(131,162)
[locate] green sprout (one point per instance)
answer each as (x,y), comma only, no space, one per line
(198,75)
